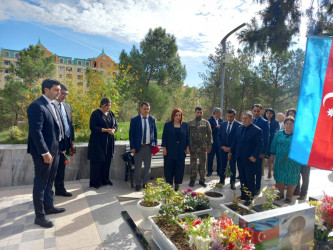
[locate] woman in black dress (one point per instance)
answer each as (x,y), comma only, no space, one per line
(103,126)
(274,126)
(175,143)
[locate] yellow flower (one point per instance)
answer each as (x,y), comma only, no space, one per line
(141,90)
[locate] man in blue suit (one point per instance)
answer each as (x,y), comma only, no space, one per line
(45,132)
(225,137)
(246,148)
(215,123)
(264,125)
(143,137)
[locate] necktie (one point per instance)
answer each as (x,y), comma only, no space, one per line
(144,130)
(228,128)
(64,120)
(59,122)
(255,121)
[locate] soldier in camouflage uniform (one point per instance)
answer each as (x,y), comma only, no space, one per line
(200,145)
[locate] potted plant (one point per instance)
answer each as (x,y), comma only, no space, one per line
(150,204)
(235,209)
(271,194)
(215,197)
(221,233)
(323,223)
(194,202)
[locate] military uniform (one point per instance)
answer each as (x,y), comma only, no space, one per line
(200,141)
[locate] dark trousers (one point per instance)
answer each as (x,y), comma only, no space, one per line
(210,158)
(173,169)
(305,174)
(247,172)
(42,193)
(232,164)
(100,171)
(60,176)
(258,173)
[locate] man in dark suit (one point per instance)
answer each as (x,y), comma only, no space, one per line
(225,137)
(263,124)
(143,137)
(65,111)
(246,149)
(215,122)
(45,132)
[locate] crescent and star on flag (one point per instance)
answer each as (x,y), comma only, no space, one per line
(330,110)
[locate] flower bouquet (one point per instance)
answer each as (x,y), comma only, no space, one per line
(194,201)
(271,195)
(222,233)
(70,153)
(324,217)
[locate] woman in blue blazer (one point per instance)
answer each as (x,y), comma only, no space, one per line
(175,143)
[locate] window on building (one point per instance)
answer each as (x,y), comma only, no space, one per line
(101,65)
(7,71)
(16,64)
(6,54)
(80,70)
(69,69)
(6,62)
(104,57)
(6,78)
(109,65)
(16,55)
(79,62)
(80,83)
(61,76)
(87,64)
(61,68)
(17,79)
(80,77)
(68,76)
(69,61)
(61,60)
(95,64)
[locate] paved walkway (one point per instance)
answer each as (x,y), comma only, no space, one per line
(93,218)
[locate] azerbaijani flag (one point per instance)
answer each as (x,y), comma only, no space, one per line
(312,142)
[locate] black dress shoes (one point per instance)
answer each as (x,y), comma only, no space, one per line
(65,194)
(137,187)
(232,186)
(54,210)
(43,222)
(202,183)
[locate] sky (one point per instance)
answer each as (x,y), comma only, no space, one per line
(82,28)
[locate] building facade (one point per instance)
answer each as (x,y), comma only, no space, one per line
(67,69)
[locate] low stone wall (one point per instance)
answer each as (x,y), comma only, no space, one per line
(16,165)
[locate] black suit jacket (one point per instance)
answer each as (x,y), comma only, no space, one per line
(215,130)
(135,132)
(223,138)
(264,126)
(251,145)
(169,140)
(43,128)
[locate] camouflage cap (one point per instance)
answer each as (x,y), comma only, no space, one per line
(298,223)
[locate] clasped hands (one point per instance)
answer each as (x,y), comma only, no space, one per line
(111,131)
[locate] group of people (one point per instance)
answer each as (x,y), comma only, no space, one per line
(245,144)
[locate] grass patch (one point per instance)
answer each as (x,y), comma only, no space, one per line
(11,136)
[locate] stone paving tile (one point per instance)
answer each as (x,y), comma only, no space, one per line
(49,243)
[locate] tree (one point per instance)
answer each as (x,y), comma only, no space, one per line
(156,65)
(33,65)
(281,75)
(280,22)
